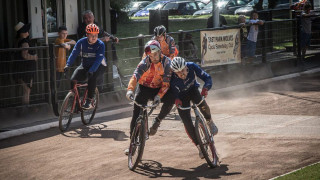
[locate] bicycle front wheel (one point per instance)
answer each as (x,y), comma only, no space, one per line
(88,115)
(206,143)
(137,143)
(66,112)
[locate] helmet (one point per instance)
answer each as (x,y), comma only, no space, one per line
(152,46)
(92,29)
(159,30)
(177,64)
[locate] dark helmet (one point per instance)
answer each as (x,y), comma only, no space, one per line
(159,30)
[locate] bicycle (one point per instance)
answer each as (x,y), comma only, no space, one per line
(139,136)
(72,104)
(204,136)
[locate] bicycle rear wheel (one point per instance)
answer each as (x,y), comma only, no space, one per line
(206,143)
(66,112)
(88,115)
(137,143)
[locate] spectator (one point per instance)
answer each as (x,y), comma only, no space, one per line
(254,23)
(306,28)
(88,18)
(222,21)
(25,64)
(243,34)
(190,49)
(64,44)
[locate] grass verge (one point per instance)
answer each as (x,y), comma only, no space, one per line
(310,172)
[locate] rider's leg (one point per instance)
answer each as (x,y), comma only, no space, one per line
(79,74)
(143,94)
(168,102)
(204,109)
(188,125)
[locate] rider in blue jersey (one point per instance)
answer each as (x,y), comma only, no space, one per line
(93,63)
(184,86)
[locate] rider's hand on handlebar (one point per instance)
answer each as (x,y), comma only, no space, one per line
(129,95)
(66,69)
(178,103)
(156,99)
(204,92)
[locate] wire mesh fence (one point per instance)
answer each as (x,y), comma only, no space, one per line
(277,40)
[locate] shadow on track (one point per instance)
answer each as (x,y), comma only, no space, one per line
(154,169)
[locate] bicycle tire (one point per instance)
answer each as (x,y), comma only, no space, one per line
(205,140)
(88,115)
(66,113)
(138,140)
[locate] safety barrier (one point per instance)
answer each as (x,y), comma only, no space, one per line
(278,40)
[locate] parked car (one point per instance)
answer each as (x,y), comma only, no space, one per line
(153,6)
(246,10)
(205,10)
(181,7)
(284,4)
(229,6)
(135,6)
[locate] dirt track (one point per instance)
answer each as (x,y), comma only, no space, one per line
(264,132)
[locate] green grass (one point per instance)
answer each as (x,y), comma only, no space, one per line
(310,173)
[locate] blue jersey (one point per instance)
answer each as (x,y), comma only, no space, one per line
(180,87)
(92,55)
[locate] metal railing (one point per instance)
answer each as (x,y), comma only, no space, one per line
(274,40)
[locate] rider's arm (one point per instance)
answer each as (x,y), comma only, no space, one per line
(172,47)
(99,57)
(166,79)
(141,68)
(75,52)
(205,77)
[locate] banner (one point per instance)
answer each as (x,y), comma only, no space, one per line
(220,47)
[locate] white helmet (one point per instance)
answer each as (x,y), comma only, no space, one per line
(177,64)
(151,47)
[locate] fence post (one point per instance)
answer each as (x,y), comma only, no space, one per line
(294,33)
(264,52)
(53,80)
(141,44)
(180,43)
(299,37)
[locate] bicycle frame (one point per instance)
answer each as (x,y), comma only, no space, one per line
(77,97)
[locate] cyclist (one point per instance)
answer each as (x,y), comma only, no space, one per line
(167,43)
(153,75)
(184,86)
(93,63)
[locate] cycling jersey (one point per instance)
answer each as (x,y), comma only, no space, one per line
(180,87)
(92,55)
(168,47)
(152,75)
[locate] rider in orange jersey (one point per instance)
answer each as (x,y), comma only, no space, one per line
(153,75)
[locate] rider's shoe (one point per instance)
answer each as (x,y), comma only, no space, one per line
(200,152)
(154,127)
(126,152)
(213,128)
(87,105)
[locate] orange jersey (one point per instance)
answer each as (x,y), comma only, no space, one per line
(152,75)
(168,47)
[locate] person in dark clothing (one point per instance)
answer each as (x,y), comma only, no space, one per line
(222,21)
(25,61)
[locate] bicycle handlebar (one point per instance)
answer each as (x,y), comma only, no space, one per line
(145,106)
(186,108)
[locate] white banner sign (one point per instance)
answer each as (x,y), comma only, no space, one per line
(220,47)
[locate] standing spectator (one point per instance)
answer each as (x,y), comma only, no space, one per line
(190,49)
(61,53)
(25,64)
(243,34)
(222,21)
(305,28)
(253,35)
